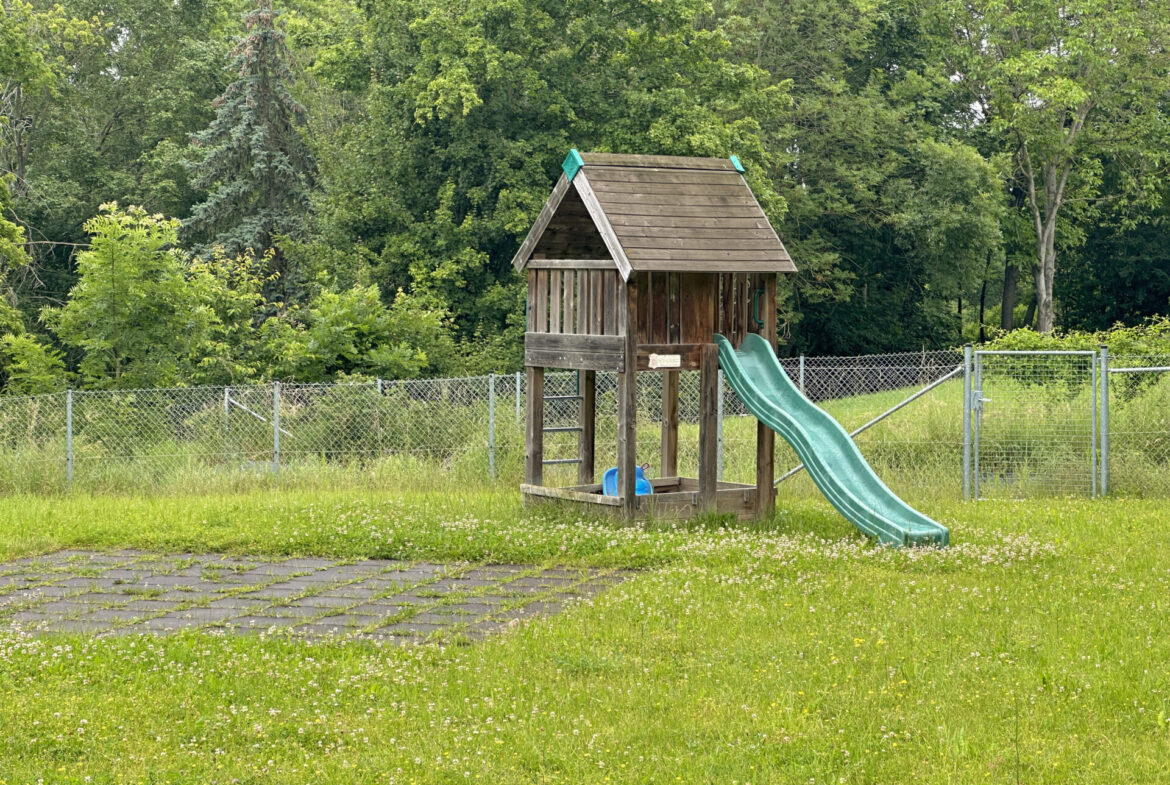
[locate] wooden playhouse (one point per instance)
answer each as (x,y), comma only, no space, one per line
(633,265)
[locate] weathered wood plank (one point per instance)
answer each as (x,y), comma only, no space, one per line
(627,394)
(575,361)
(534,427)
(745,310)
(574,343)
(604,188)
(583,303)
(615,174)
(708,255)
(726,303)
(657,161)
(530,309)
(669,458)
(660,312)
(673,309)
(569,292)
(615,200)
(568,494)
(571,264)
(596,304)
(632,242)
(601,221)
(541,302)
(556,297)
(702,220)
(706,266)
(611,303)
(697,294)
(735,328)
(643,328)
(542,220)
(629,233)
(587,419)
(765,501)
(584,352)
(708,427)
(711,213)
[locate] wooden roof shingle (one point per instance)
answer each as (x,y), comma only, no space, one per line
(658,213)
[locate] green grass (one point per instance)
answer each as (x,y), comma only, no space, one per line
(1033,650)
(1035,443)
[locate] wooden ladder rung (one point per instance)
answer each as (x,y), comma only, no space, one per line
(561,460)
(562,397)
(563,429)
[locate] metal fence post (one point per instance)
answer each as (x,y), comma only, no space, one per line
(68,438)
(966,422)
(719,426)
(801,375)
(1093,426)
(1104,404)
(276,427)
(518,396)
(491,426)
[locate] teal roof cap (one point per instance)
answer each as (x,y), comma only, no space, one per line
(734,162)
(572,164)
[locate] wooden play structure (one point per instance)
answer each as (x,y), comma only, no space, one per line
(633,265)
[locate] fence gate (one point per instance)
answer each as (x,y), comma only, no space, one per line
(1030,424)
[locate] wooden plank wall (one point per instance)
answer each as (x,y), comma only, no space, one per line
(689,308)
(569,301)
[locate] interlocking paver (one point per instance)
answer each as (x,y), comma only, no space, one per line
(263,622)
(383,600)
(380,609)
(324,601)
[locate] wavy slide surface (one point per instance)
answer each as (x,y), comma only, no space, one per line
(828,453)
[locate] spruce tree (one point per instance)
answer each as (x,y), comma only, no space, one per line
(254,165)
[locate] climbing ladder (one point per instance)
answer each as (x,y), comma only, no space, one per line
(573,413)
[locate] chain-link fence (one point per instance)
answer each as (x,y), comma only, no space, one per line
(1033,432)
(1034,424)
(1137,426)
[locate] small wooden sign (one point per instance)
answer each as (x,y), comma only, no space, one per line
(665,361)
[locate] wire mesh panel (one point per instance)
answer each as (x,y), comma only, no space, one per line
(830,378)
(131,438)
(1034,424)
(32,442)
(1139,425)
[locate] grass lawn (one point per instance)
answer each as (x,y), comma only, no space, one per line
(1035,649)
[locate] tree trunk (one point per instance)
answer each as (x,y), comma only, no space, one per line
(1030,314)
(982,308)
(1043,274)
(1011,279)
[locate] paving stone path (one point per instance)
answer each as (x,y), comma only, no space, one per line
(135,592)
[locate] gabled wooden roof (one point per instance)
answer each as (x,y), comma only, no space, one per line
(656,213)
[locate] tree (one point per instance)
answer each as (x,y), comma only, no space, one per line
(126,82)
(469,109)
(891,219)
(133,317)
(1063,87)
(252,159)
(353,333)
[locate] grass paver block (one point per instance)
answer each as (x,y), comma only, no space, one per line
(134,592)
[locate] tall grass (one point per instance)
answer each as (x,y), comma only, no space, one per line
(1035,441)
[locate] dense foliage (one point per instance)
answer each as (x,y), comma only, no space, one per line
(337,188)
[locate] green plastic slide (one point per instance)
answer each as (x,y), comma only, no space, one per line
(829,455)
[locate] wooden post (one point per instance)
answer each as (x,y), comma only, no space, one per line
(534,428)
(586,438)
(708,426)
(765,437)
(627,392)
(669,467)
